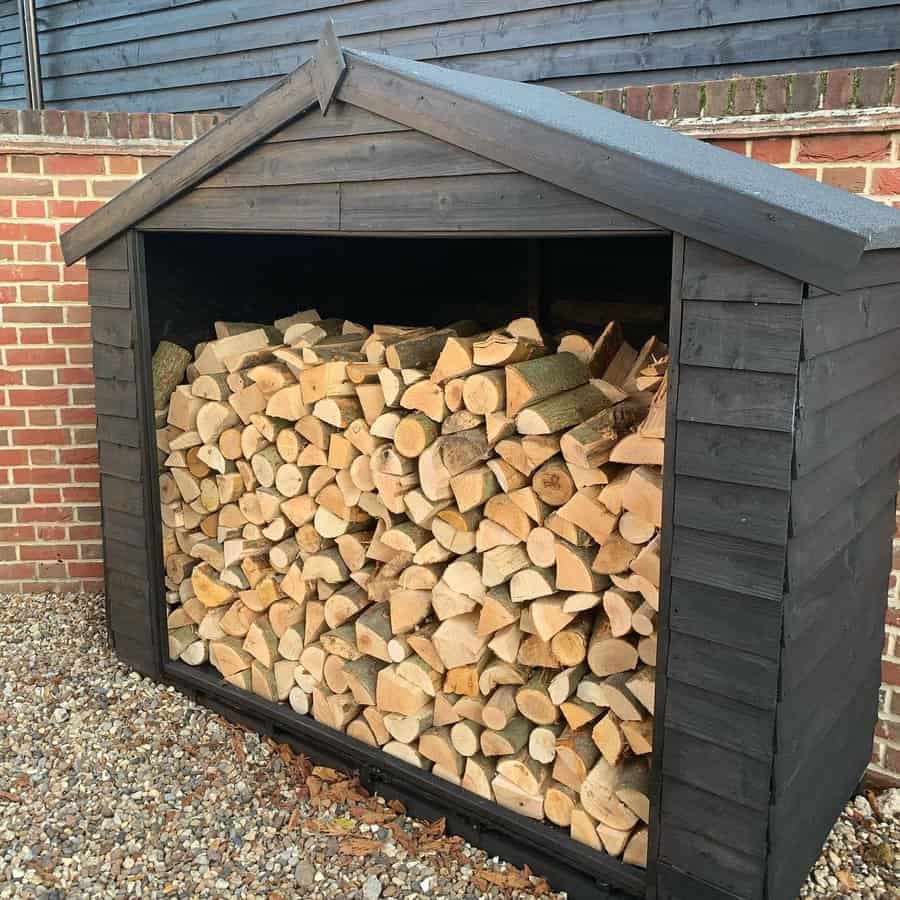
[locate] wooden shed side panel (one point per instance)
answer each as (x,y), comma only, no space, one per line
(730,444)
(838,561)
(122,475)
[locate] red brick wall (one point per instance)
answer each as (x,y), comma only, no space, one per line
(840,128)
(49,504)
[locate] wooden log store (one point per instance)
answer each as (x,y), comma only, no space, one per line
(458,430)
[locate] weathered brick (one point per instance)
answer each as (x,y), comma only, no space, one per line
(774,93)
(74,165)
(76,124)
(771,150)
(637,102)
(688,101)
(886,181)
(735,146)
(873,86)
(26,187)
(183,126)
(850,178)
(122,165)
(9,121)
(139,125)
(15,496)
(118,125)
(161,125)
(717,97)
(97,124)
(662,101)
(743,101)
(25,165)
(838,89)
(804,92)
(844,148)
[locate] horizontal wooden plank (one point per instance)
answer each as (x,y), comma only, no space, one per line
(847,602)
(125,527)
(808,603)
(762,337)
(754,513)
(876,268)
(113,255)
(716,719)
(343,119)
(130,591)
(136,653)
(739,873)
(740,399)
(828,378)
(738,620)
(673,884)
(713,274)
(128,615)
(109,288)
(825,433)
(125,558)
(122,495)
(119,430)
(747,567)
(600,41)
(713,768)
(124,462)
(371,157)
(814,495)
(113,362)
(112,326)
(832,321)
(306,208)
(406,28)
(847,676)
(809,551)
(737,455)
(512,202)
(714,817)
(816,797)
(803,745)
(115,398)
(128,603)
(738,674)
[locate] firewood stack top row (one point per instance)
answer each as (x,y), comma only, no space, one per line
(443,542)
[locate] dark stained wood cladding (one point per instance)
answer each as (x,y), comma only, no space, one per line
(366,174)
(130,622)
(838,560)
(213,54)
(740,327)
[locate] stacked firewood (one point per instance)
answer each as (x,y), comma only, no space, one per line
(443,542)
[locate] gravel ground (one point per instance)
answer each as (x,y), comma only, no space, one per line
(111,786)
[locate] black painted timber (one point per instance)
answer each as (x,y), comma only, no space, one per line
(214,54)
(756,416)
(838,560)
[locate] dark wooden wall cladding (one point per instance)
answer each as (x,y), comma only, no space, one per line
(727,519)
(847,442)
(213,54)
(129,606)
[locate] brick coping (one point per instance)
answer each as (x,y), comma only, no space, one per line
(828,101)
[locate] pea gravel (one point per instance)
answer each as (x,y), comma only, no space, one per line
(113,786)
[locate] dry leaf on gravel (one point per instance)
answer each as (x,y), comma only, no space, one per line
(359,846)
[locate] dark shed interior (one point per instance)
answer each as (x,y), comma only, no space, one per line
(574,283)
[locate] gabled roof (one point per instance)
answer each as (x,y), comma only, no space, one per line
(780,220)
